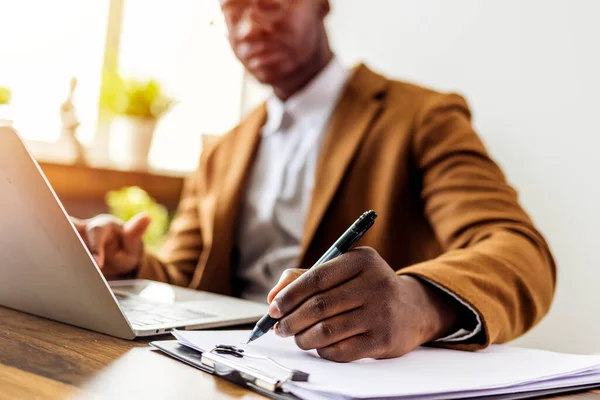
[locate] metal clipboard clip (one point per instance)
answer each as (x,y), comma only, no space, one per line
(232,369)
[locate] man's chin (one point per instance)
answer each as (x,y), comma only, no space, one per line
(268,76)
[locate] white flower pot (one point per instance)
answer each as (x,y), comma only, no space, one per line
(130,142)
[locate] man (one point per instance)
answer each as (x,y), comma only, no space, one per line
(452,260)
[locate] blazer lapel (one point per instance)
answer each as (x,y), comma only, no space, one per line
(241,152)
(351,120)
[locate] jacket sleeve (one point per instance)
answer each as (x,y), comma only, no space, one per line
(494,258)
(179,256)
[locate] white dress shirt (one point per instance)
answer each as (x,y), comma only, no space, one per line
(280,186)
(281,182)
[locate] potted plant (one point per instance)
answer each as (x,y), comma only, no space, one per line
(134,107)
(5,97)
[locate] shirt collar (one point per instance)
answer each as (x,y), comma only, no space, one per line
(316,100)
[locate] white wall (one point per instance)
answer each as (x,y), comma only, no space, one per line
(530,70)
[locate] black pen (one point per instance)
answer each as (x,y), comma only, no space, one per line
(342,245)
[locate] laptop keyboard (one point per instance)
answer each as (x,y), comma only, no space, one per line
(142,312)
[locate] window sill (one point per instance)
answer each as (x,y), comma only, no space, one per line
(82,189)
(62,153)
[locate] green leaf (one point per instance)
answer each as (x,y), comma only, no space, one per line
(133,97)
(130,201)
(5,95)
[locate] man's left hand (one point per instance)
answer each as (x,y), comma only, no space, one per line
(356,307)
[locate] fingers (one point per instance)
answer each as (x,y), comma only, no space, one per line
(99,230)
(319,279)
(332,330)
(288,276)
(80,226)
(321,306)
(134,230)
(115,247)
(351,349)
(97,242)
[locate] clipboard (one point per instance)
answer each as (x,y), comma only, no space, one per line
(226,368)
(265,385)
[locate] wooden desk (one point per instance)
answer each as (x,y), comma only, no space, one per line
(42,359)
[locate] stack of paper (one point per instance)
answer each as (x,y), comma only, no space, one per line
(424,373)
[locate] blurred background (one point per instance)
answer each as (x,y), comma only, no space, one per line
(139,82)
(114,94)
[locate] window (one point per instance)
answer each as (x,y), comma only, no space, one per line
(181,44)
(44,44)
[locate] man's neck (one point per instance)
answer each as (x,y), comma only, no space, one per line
(300,79)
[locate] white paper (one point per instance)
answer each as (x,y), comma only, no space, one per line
(422,373)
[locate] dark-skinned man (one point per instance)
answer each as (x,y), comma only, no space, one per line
(453,260)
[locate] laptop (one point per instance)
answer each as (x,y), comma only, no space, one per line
(46,269)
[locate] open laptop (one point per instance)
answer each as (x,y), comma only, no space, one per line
(46,270)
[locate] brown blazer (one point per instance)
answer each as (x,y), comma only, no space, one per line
(445,210)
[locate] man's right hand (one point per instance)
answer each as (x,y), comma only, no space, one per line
(117,247)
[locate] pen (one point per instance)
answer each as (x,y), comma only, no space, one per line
(342,245)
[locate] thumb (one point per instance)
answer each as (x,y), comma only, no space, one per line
(134,229)
(288,276)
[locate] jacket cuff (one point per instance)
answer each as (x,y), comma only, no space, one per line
(463,334)
(445,278)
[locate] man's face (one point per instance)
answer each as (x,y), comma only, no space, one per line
(274,38)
